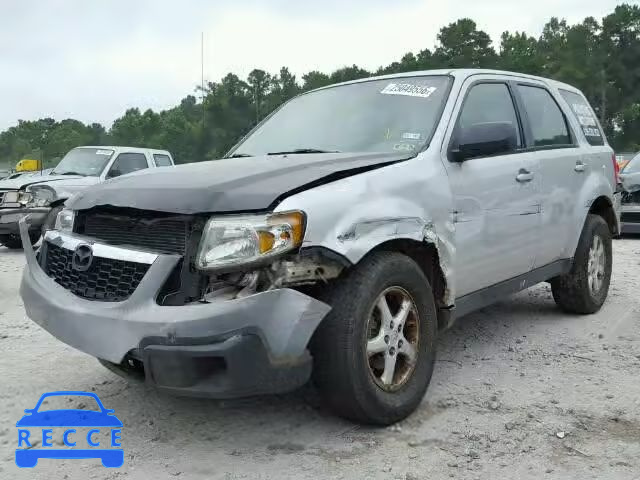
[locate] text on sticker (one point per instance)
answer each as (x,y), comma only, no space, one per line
(411,136)
(408,89)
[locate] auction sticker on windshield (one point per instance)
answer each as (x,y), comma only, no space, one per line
(408,89)
(87,431)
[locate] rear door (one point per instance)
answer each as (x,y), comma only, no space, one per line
(561,161)
(496,198)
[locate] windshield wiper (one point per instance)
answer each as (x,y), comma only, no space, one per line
(303,150)
(239,155)
(71,173)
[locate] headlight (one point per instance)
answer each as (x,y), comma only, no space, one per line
(41,195)
(24,198)
(248,239)
(64,220)
(10,197)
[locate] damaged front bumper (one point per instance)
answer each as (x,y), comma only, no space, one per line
(227,348)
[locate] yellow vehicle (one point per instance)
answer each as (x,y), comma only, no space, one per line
(28,165)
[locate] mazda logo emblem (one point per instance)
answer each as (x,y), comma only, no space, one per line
(82,258)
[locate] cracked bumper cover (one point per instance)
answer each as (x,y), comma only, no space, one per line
(258,343)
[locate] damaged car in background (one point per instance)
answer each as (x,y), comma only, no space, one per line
(630,211)
(336,240)
(42,196)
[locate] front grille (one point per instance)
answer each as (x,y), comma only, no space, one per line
(630,217)
(107,280)
(2,197)
(162,233)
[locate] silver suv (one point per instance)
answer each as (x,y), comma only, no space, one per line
(336,240)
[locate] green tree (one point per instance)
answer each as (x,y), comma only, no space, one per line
(601,57)
(462,45)
(315,79)
(519,53)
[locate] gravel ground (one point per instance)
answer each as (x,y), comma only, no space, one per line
(519,391)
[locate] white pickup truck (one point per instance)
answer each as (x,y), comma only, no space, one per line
(82,167)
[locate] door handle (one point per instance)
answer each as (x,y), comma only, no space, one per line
(580,167)
(524,176)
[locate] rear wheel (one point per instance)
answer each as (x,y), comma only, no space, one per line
(584,289)
(374,352)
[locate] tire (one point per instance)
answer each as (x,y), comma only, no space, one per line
(13,242)
(576,292)
(344,373)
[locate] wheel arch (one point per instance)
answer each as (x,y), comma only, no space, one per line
(427,256)
(603,207)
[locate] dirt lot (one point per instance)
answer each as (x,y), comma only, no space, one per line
(510,381)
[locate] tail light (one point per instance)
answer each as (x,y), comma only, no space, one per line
(616,168)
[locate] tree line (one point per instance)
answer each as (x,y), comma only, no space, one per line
(601,57)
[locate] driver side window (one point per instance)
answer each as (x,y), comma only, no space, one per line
(488,103)
(127,163)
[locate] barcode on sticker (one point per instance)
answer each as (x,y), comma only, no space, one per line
(411,136)
(408,89)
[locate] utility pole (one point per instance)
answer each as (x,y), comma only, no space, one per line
(202,79)
(603,97)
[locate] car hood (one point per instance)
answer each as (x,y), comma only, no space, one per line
(229,185)
(69,418)
(22,182)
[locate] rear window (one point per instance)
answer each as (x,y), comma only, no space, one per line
(548,125)
(161,160)
(585,116)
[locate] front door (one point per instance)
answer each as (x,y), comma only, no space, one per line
(496,198)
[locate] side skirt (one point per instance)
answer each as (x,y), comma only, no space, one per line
(489,295)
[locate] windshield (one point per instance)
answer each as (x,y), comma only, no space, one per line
(88,162)
(633,166)
(394,115)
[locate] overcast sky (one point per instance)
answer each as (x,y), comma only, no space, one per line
(91,60)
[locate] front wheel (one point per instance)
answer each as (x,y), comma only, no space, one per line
(374,353)
(584,289)
(13,241)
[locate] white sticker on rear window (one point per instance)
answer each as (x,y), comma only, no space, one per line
(411,136)
(408,89)
(104,152)
(587,121)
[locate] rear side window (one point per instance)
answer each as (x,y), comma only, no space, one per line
(488,103)
(161,160)
(585,116)
(547,123)
(128,163)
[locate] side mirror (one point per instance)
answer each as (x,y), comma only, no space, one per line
(484,139)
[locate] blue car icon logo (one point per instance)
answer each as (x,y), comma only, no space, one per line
(38,424)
